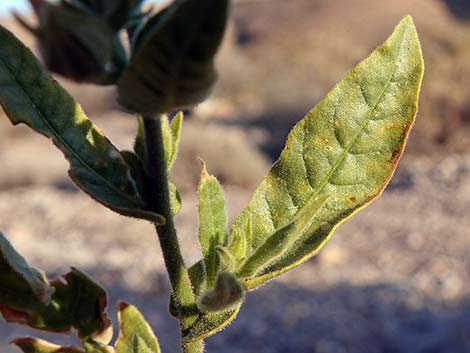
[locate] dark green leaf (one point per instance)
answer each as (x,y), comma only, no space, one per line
(77,43)
(77,303)
(172,65)
(29,95)
(347,147)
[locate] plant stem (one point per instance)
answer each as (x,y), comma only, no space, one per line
(158,200)
(193,347)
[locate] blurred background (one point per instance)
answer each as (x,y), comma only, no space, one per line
(395,279)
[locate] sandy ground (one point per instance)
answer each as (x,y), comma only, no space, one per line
(394,279)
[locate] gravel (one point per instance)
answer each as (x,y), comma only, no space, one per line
(393,279)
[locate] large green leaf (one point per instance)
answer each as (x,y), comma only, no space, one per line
(212,223)
(172,65)
(29,95)
(347,147)
(136,335)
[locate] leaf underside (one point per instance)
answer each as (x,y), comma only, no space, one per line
(172,65)
(73,301)
(29,95)
(347,147)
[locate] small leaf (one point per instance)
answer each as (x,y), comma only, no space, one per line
(29,95)
(171,133)
(17,277)
(172,65)
(209,324)
(175,128)
(140,346)
(77,302)
(275,246)
(227,262)
(212,222)
(140,177)
(240,245)
(132,324)
(226,294)
(347,147)
(175,199)
(34,345)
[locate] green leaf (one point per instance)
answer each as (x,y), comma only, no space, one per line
(35,345)
(116,12)
(175,130)
(29,95)
(141,179)
(227,262)
(212,223)
(209,324)
(77,303)
(275,246)
(77,43)
(240,244)
(347,147)
(132,324)
(175,200)
(172,65)
(140,346)
(171,133)
(17,277)
(226,294)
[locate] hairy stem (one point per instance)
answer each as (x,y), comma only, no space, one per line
(193,347)
(158,199)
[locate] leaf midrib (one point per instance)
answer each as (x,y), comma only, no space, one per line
(348,149)
(62,141)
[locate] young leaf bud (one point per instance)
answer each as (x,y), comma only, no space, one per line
(226,294)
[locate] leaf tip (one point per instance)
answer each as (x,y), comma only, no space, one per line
(204,173)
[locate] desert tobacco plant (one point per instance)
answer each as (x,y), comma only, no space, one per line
(336,161)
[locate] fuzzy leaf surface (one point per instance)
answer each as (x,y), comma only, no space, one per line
(212,223)
(347,147)
(136,335)
(29,95)
(172,65)
(209,324)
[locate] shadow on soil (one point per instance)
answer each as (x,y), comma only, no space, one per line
(340,319)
